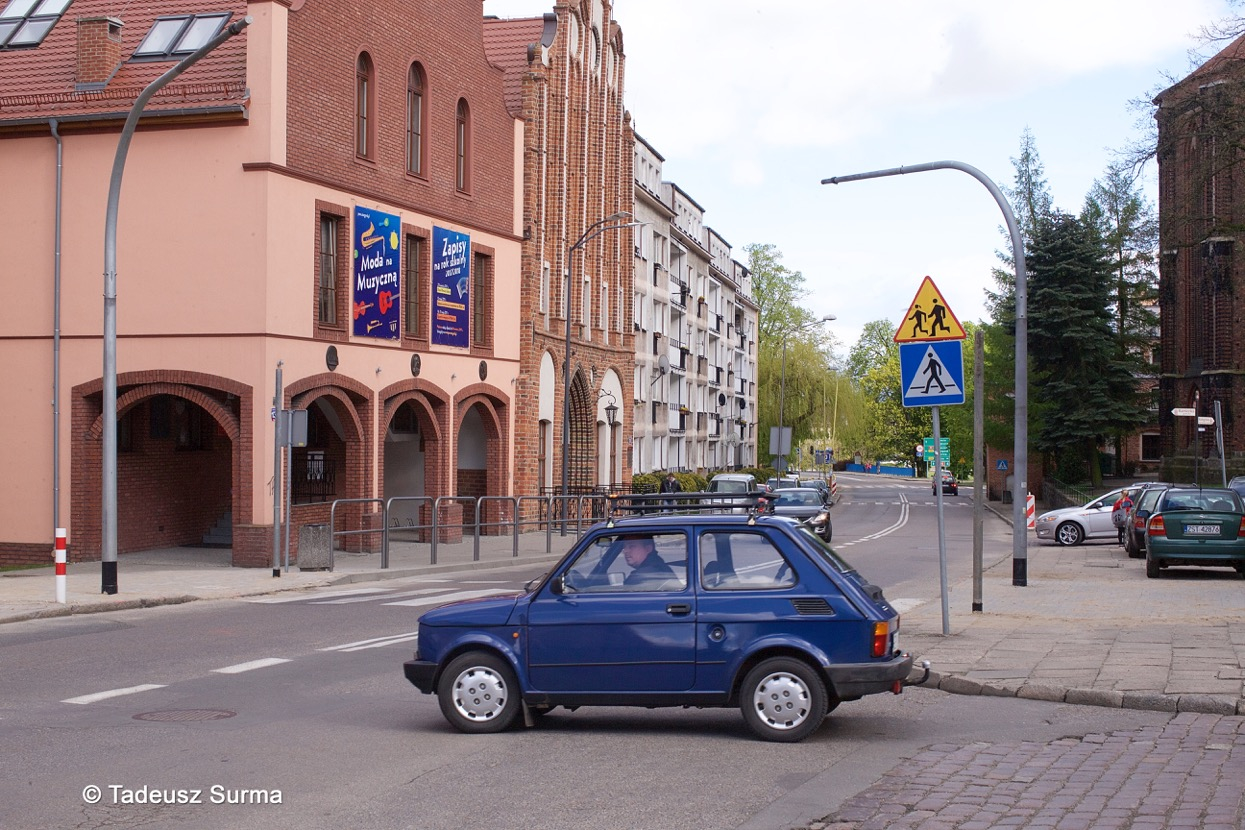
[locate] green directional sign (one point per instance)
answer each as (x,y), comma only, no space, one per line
(944,447)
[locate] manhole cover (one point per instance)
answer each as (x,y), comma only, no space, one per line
(185,715)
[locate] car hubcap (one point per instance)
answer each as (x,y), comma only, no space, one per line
(1067,535)
(479,694)
(782,701)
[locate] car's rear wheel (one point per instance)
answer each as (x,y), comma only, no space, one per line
(1134,551)
(783,699)
(1153,566)
(478,693)
(1069,533)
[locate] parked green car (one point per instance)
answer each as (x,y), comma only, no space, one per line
(1196,526)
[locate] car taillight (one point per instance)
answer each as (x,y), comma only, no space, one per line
(1139,523)
(1156,526)
(881,639)
(1240,531)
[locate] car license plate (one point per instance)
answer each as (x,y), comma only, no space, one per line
(1201,530)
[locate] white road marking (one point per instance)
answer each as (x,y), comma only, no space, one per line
(452,597)
(317,595)
(377,642)
(146,687)
(374,598)
(903,520)
(253,664)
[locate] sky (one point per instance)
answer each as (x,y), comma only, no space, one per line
(753,102)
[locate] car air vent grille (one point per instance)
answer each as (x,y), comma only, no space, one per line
(813,606)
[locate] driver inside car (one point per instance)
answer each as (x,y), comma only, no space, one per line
(640,553)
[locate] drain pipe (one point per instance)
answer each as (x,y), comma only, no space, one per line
(56,333)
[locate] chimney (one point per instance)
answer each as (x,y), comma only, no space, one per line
(99,50)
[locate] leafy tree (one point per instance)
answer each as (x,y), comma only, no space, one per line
(1031,202)
(1128,227)
(779,292)
(890,429)
(1086,390)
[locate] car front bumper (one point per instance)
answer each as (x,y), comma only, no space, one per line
(421,673)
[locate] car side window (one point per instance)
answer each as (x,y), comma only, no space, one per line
(742,561)
(629,562)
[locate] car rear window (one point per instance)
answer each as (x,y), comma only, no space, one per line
(1224,501)
(825,552)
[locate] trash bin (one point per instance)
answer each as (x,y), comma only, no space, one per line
(315,548)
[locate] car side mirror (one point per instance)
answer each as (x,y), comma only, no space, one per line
(558,585)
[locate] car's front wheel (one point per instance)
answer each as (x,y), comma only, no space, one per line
(1069,533)
(478,693)
(783,699)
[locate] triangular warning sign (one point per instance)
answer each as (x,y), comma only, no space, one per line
(929,317)
(932,380)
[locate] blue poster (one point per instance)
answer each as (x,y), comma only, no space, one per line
(451,288)
(377,274)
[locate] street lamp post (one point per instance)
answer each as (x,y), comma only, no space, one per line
(782,388)
(613,222)
(108,508)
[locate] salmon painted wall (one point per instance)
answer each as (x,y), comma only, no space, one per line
(215,274)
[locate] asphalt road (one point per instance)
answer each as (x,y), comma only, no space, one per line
(294,713)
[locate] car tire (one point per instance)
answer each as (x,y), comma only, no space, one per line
(783,700)
(1153,568)
(1069,534)
(478,693)
(1134,552)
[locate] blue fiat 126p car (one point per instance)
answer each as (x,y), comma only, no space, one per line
(690,606)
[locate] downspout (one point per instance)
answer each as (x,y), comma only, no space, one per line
(56,332)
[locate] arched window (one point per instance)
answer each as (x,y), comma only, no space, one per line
(462,140)
(364,105)
(415,112)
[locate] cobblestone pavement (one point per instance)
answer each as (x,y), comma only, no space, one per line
(1188,773)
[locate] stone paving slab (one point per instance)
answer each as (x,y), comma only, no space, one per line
(1185,773)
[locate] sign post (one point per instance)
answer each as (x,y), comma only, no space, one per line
(931,373)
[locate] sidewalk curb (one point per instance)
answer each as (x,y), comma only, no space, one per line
(329,579)
(1107,698)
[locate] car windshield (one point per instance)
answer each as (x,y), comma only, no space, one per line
(727,486)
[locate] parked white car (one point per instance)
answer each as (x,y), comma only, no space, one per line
(1073,525)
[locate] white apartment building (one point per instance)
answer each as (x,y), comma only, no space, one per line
(695,392)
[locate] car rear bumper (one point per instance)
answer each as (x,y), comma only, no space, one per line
(421,673)
(855,680)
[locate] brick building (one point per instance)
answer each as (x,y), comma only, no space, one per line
(1201,278)
(564,80)
(333,192)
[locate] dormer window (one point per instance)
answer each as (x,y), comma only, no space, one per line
(27,22)
(179,35)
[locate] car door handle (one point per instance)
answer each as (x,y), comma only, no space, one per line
(678,608)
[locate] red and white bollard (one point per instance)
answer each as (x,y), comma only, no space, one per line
(1030,507)
(61,577)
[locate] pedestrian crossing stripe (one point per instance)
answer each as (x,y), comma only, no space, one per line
(932,374)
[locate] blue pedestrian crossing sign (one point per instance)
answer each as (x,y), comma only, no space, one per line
(932,373)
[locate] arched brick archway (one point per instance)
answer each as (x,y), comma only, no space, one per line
(340,467)
(424,469)
(167,496)
(492,409)
(581,477)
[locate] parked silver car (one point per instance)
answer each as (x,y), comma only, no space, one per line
(1073,525)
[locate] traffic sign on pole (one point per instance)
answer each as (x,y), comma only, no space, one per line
(931,374)
(929,318)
